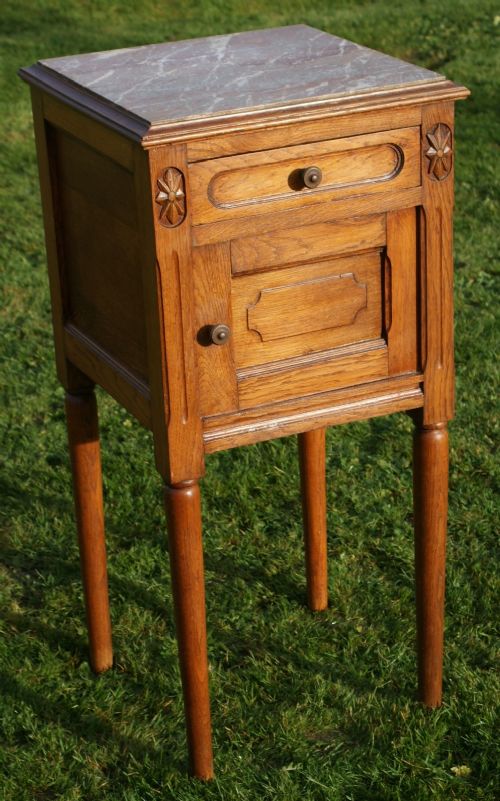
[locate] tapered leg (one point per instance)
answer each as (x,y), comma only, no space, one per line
(312,458)
(186,565)
(83,436)
(430,495)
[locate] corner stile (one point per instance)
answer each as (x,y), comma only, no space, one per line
(163,201)
(437,262)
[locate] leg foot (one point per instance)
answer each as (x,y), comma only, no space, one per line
(83,436)
(186,564)
(430,496)
(312,459)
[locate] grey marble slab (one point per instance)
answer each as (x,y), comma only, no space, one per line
(198,78)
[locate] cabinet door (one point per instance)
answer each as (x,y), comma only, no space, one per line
(311,309)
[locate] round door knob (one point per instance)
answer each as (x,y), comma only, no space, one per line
(312,177)
(219,334)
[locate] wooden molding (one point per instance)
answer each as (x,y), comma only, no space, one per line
(400,291)
(304,132)
(338,406)
(119,382)
(301,309)
(378,164)
(284,311)
(263,182)
(139,129)
(303,111)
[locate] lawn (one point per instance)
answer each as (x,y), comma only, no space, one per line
(305,707)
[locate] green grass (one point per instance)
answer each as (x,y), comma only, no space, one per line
(304,707)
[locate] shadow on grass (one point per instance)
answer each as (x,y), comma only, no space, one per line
(19,498)
(55,637)
(83,725)
(54,561)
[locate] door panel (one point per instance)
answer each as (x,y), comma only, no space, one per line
(337,368)
(306,314)
(305,243)
(302,310)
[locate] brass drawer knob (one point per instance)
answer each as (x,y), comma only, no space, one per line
(219,334)
(311,177)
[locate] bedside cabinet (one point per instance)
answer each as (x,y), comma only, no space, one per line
(249,236)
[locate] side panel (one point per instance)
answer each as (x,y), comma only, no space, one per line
(88,201)
(102,278)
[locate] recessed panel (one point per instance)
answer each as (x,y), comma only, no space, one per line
(296,311)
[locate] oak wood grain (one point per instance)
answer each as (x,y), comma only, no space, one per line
(70,376)
(103,279)
(303,285)
(216,364)
(331,370)
(312,460)
(333,301)
(401,283)
(305,243)
(180,456)
(437,277)
(98,177)
(185,547)
(83,437)
(267,180)
(430,493)
(302,132)
(255,183)
(343,209)
(154,313)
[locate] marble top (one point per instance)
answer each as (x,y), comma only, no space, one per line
(200,78)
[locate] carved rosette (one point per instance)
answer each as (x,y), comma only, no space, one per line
(439,151)
(171,196)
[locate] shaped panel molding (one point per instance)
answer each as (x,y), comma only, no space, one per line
(301,308)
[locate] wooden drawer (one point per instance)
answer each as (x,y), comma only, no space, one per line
(257,183)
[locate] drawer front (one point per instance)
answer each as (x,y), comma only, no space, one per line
(271,180)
